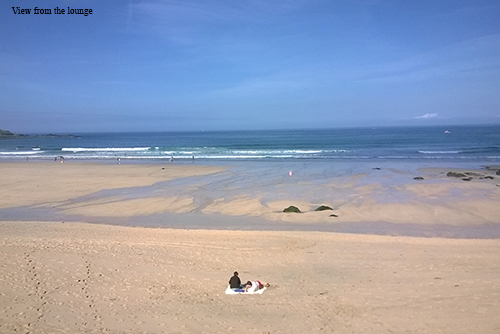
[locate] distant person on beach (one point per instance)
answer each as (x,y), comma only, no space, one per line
(235,282)
(253,286)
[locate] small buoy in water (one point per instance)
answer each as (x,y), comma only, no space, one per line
(290,173)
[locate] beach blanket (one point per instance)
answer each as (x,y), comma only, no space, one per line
(230,291)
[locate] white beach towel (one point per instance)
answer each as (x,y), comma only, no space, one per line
(230,291)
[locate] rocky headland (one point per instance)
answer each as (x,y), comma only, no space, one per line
(8,134)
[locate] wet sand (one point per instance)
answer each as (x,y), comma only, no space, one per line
(161,195)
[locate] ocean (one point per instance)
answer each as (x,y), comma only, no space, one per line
(432,143)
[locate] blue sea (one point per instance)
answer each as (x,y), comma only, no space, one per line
(436,143)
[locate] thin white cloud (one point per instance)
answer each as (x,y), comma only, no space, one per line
(426,116)
(474,56)
(188,22)
(263,86)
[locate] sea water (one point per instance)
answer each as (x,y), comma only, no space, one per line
(436,143)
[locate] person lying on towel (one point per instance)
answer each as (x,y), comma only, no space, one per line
(253,286)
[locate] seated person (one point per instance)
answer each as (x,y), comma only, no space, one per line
(235,282)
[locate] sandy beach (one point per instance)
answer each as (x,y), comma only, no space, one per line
(110,193)
(83,278)
(69,276)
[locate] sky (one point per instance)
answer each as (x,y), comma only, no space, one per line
(189,65)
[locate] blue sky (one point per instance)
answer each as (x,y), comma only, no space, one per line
(217,65)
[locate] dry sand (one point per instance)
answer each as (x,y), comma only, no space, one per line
(82,278)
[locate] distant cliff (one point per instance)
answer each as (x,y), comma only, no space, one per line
(8,134)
